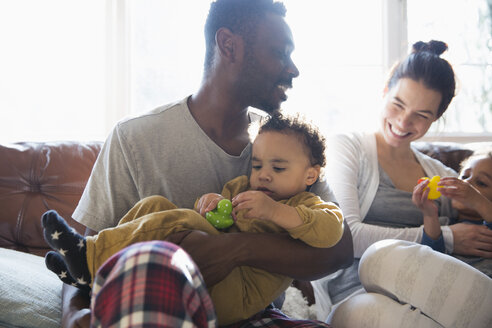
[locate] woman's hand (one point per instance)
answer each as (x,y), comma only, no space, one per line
(208,202)
(472,239)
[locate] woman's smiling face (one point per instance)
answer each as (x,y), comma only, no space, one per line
(409,110)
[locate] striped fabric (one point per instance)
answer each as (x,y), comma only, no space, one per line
(410,285)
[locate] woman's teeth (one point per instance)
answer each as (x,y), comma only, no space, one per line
(397,132)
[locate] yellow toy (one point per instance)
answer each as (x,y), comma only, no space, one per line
(432,186)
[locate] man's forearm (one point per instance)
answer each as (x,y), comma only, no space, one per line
(279,253)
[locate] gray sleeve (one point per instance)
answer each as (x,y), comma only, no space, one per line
(111,190)
(323,190)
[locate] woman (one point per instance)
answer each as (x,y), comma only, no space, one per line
(374,175)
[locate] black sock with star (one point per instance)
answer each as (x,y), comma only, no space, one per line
(69,245)
(56,264)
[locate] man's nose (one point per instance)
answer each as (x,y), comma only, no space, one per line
(292,69)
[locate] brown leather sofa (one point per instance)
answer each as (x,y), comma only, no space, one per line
(36,177)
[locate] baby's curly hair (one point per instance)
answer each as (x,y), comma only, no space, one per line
(308,134)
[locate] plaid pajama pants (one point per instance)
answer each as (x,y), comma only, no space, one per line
(156,284)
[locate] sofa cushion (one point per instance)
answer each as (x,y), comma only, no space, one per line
(36,177)
(30,294)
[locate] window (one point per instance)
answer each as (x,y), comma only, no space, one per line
(71,69)
(466,26)
(341,73)
(52,70)
(344,50)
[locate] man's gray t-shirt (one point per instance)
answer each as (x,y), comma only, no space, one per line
(163,152)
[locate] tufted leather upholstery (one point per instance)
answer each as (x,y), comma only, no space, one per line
(36,177)
(450,153)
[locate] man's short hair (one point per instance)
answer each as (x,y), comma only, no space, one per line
(240,17)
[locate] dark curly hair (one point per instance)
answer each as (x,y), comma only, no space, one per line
(308,134)
(425,64)
(484,152)
(239,16)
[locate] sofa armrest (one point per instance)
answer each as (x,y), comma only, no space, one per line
(36,177)
(451,153)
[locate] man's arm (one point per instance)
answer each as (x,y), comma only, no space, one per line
(217,255)
(75,303)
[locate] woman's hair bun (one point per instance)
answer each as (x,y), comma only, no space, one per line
(433,46)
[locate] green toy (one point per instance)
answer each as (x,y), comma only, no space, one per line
(221,217)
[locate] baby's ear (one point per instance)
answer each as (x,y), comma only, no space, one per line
(312,174)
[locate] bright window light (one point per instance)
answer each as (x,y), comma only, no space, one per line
(466,26)
(52,70)
(69,70)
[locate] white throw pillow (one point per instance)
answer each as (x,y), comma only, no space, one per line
(30,294)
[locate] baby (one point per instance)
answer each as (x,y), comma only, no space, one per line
(287,156)
(471,196)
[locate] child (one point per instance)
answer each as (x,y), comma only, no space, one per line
(287,157)
(470,194)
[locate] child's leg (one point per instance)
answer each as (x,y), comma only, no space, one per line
(146,206)
(153,226)
(56,263)
(70,246)
(244,292)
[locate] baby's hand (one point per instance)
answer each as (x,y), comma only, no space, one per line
(420,199)
(207,203)
(257,204)
(461,192)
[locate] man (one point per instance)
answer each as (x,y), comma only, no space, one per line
(196,145)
